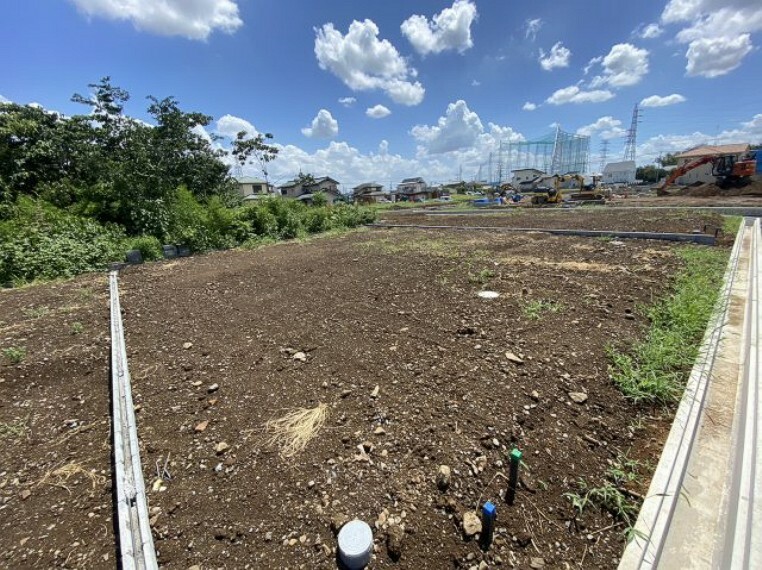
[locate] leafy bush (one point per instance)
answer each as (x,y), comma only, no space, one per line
(149,247)
(43,242)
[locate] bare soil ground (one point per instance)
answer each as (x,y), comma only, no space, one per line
(410,362)
(684,221)
(692,201)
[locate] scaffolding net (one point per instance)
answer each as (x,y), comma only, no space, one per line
(556,153)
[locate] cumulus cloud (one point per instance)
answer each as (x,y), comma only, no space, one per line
(528,106)
(347,101)
(4,100)
(573,94)
(718,32)
(623,66)
(650,31)
(658,101)
(606,127)
(323,126)
(378,112)
(229,126)
(448,30)
(457,129)
(712,57)
(747,131)
(558,57)
(531,27)
(475,83)
(460,129)
(195,20)
(364,62)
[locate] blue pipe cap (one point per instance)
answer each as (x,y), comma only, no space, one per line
(488,509)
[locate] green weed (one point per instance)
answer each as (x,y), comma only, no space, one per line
(656,368)
(36,312)
(607,497)
(13,430)
(77,328)
(14,354)
(481,277)
(534,309)
(730,224)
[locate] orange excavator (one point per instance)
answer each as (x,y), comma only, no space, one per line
(729,170)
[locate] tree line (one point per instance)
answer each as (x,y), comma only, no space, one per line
(76,190)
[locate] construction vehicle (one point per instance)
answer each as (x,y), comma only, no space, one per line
(555,195)
(589,192)
(728,169)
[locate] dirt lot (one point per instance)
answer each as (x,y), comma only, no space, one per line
(392,309)
(574,218)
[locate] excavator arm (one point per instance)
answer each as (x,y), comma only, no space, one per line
(680,171)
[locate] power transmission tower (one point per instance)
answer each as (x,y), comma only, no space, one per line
(632,135)
(604,154)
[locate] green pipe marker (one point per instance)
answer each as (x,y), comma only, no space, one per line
(513,479)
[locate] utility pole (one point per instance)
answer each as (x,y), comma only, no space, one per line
(604,154)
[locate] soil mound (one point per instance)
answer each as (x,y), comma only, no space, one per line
(753,188)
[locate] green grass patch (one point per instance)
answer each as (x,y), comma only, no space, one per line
(730,224)
(536,308)
(656,369)
(14,354)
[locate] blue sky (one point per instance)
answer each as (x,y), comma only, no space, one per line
(444,81)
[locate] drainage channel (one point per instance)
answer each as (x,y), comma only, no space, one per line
(135,540)
(703,505)
(703,239)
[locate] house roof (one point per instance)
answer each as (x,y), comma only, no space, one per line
(325,179)
(365,185)
(289,184)
(620,166)
(249,180)
(411,180)
(528,170)
(713,150)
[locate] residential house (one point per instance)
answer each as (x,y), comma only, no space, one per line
(703,173)
(415,189)
(619,172)
(523,175)
(305,192)
(252,188)
(369,193)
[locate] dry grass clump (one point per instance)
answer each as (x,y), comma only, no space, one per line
(292,432)
(59,476)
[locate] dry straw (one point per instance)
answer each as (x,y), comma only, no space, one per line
(292,432)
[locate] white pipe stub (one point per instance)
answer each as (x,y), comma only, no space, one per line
(355,544)
(488,294)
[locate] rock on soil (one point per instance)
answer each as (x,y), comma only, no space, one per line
(472,524)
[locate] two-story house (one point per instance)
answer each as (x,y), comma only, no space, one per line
(304,192)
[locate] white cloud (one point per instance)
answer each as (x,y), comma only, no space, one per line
(195,19)
(748,132)
(475,83)
(378,112)
(606,127)
(323,126)
(531,27)
(229,126)
(448,30)
(650,31)
(574,94)
(558,57)
(718,32)
(712,57)
(528,106)
(460,129)
(623,66)
(4,100)
(364,62)
(592,63)
(347,101)
(659,101)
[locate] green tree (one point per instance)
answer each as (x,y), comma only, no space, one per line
(668,159)
(248,150)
